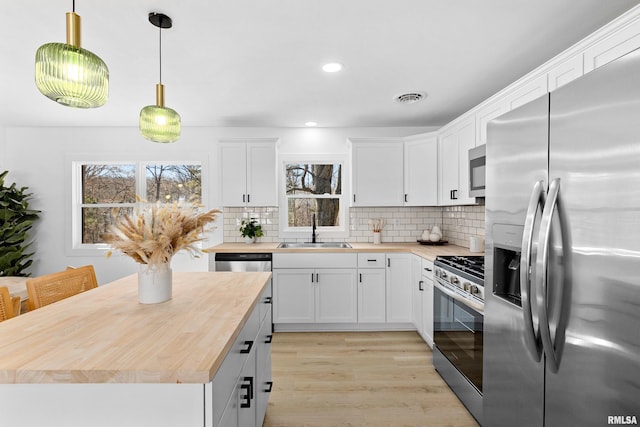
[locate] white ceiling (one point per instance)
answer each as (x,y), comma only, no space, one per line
(258,62)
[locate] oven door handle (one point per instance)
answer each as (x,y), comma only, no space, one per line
(469,303)
(532,339)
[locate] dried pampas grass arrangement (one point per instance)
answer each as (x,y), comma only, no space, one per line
(152,235)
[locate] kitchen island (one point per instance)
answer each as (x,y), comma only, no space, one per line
(101,358)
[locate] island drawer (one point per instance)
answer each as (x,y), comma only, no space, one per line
(225,379)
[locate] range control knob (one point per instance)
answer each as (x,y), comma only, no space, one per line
(455,280)
(474,289)
(466,286)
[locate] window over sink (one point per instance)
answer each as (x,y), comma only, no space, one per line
(313,188)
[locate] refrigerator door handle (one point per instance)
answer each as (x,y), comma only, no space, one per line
(553,347)
(532,339)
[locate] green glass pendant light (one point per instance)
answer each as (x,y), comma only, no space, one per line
(157,122)
(69,74)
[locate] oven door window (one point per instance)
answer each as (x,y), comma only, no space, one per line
(458,335)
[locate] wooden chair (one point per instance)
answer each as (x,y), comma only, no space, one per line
(53,287)
(8,304)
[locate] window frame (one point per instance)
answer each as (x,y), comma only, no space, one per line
(74,245)
(289,233)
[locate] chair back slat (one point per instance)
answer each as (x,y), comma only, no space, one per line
(47,289)
(6,304)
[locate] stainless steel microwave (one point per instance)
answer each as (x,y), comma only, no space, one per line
(477,160)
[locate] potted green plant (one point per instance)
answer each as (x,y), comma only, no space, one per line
(16,219)
(250,230)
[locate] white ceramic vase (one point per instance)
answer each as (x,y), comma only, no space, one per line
(376,237)
(154,283)
(248,239)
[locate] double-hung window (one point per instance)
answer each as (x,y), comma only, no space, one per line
(103,190)
(313,189)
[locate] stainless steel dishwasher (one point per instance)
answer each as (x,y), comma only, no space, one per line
(243,262)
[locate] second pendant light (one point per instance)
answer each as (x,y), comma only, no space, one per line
(157,122)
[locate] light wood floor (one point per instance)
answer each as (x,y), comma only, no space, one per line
(359,379)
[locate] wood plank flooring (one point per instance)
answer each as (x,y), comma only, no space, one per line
(359,379)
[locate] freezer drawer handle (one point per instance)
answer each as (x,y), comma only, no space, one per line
(553,347)
(532,339)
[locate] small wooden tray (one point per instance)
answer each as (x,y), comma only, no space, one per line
(429,242)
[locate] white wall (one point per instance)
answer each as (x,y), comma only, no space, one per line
(40,159)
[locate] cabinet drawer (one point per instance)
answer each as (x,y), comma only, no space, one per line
(265,302)
(224,382)
(371,260)
(427,268)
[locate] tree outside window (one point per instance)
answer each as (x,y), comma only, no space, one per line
(109,188)
(313,189)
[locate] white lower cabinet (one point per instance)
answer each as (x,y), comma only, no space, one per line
(372,294)
(239,391)
(425,327)
(315,288)
(399,292)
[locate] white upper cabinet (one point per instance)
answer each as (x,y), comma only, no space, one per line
(484,115)
(526,92)
(614,46)
(421,170)
(454,146)
(378,173)
(566,72)
(248,174)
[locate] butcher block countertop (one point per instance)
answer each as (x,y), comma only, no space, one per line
(425,251)
(105,336)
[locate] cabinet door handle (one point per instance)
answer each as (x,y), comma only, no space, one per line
(317,277)
(311,277)
(454,194)
(405,198)
(269,386)
(244,198)
(247,350)
(354,198)
(420,287)
(248,198)
(249,388)
(388,262)
(269,300)
(268,339)
(360,277)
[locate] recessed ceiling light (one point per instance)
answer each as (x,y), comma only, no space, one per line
(311,124)
(332,67)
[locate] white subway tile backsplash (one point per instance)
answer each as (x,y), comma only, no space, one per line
(402,224)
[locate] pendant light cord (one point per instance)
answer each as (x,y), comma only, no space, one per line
(160,44)
(74,6)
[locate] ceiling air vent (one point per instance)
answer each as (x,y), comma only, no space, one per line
(410,98)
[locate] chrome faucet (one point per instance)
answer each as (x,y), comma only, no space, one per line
(313,229)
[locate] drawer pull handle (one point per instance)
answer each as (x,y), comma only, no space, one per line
(249,395)
(247,350)
(428,269)
(268,300)
(269,387)
(269,339)
(371,260)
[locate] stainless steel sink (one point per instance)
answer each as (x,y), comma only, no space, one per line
(293,245)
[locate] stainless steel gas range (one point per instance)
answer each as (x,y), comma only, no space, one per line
(458,327)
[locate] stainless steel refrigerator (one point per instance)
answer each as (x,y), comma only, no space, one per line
(562,263)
